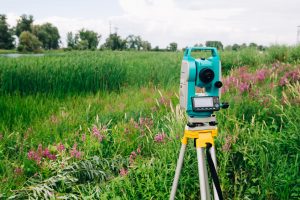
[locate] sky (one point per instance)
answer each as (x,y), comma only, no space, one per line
(161,22)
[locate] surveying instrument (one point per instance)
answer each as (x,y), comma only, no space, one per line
(204,74)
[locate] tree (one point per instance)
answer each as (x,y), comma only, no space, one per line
(6,34)
(24,24)
(198,45)
(216,44)
(91,38)
(156,48)
(115,42)
(71,42)
(173,46)
(253,45)
(47,34)
(228,48)
(134,42)
(146,45)
(235,47)
(28,42)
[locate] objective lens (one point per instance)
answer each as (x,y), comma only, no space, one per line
(206,75)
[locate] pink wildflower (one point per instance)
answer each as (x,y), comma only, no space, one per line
(138,150)
(18,171)
(159,137)
(123,172)
(60,147)
(83,137)
(46,153)
(40,150)
(31,155)
(132,157)
(97,133)
(261,75)
(74,152)
(244,87)
(52,157)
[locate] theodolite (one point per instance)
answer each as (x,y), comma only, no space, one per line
(202,74)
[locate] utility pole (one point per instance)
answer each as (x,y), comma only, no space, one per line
(116,29)
(109,27)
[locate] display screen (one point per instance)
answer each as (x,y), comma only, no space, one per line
(203,102)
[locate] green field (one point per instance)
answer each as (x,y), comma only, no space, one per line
(107,125)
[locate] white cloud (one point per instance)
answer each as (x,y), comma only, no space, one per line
(192,21)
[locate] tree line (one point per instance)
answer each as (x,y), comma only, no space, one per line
(33,37)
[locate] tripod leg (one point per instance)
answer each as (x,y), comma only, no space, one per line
(213,155)
(177,173)
(206,179)
(204,191)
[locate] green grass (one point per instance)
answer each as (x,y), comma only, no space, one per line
(65,98)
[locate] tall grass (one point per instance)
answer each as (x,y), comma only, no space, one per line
(87,72)
(123,141)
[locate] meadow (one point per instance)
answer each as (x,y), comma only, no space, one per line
(107,125)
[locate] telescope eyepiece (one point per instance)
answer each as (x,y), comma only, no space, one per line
(206,75)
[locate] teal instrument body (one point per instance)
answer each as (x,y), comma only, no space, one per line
(204,73)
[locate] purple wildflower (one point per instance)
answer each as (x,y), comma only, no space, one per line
(46,153)
(74,152)
(83,137)
(160,137)
(244,87)
(18,171)
(123,172)
(30,155)
(60,147)
(261,74)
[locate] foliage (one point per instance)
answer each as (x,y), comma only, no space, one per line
(90,37)
(216,44)
(6,34)
(146,45)
(71,40)
(114,42)
(47,34)
(173,46)
(28,42)
(84,39)
(24,24)
(134,42)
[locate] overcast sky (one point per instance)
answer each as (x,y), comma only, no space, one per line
(163,21)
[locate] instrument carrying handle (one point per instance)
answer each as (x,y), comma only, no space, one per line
(188,51)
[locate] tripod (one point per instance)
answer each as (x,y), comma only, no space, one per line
(204,138)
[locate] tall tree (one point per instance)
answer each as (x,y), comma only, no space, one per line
(173,46)
(235,47)
(115,42)
(134,42)
(71,42)
(28,42)
(6,34)
(146,45)
(216,44)
(24,24)
(253,45)
(47,34)
(91,38)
